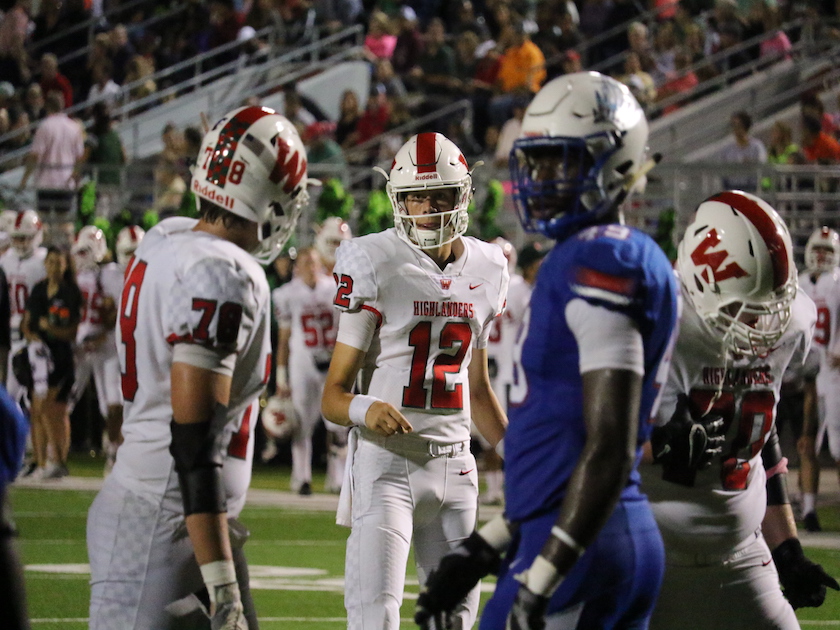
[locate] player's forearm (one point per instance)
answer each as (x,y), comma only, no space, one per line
(778,525)
(335,405)
(209,536)
(488,416)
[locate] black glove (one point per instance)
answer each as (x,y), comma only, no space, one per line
(803,581)
(683,446)
(528,612)
(456,575)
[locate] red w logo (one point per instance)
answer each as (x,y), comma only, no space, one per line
(292,168)
(445,283)
(713,260)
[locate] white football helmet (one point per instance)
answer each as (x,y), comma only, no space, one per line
(429,161)
(128,240)
(279,417)
(90,247)
(26,232)
(508,250)
(329,237)
(252,163)
(822,251)
(736,264)
(581,150)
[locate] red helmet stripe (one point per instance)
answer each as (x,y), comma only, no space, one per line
(766,227)
(19,220)
(426,158)
(229,136)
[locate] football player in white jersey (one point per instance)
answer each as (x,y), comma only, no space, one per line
(743,323)
(307,323)
(96,348)
(821,281)
(128,240)
(195,351)
(330,234)
(417,303)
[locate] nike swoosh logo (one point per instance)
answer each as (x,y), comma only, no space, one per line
(475,286)
(465,472)
(764,564)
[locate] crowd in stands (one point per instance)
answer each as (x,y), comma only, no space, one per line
(423,55)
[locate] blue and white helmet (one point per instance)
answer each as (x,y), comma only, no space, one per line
(583,144)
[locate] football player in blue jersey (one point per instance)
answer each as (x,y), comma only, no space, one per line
(582,546)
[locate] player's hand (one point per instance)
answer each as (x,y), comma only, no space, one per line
(385,419)
(456,575)
(228,613)
(687,443)
(528,612)
(804,582)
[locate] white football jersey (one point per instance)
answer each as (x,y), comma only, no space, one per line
(185,286)
(96,285)
(500,341)
(312,318)
(21,276)
(429,321)
(728,499)
(826,296)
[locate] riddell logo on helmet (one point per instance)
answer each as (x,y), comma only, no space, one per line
(210,193)
(423,176)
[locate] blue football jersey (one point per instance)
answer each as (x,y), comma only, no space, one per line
(612,266)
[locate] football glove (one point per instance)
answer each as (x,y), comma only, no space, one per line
(803,581)
(528,612)
(684,445)
(229,613)
(459,572)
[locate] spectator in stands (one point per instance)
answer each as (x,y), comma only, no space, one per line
(682,81)
(169,188)
(173,142)
(664,51)
(225,24)
(122,51)
(500,19)
(570,35)
(733,54)
(744,149)
(621,12)
(379,41)
(138,74)
(334,15)
(434,75)
(548,35)
(638,38)
(105,155)
(778,45)
(320,146)
(13,35)
(810,104)
(57,146)
(47,23)
(641,84)
(348,117)
(18,122)
(464,18)
(695,41)
(53,81)
(466,45)
(781,146)
(521,70)
(383,74)
(103,88)
(409,44)
(294,110)
(571,62)
(373,122)
(818,146)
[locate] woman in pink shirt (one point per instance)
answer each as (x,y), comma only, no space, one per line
(379,43)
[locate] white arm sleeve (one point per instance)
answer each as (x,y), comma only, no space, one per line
(356,329)
(606,339)
(213,359)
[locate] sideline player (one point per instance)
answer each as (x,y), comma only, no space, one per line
(821,282)
(742,324)
(305,340)
(96,348)
(195,352)
(582,545)
(417,303)
(332,232)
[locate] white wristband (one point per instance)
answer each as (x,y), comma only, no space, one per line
(359,407)
(542,577)
(563,536)
(217,574)
(496,532)
(281,378)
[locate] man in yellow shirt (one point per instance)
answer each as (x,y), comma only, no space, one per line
(522,69)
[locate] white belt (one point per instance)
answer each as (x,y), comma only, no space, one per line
(413,445)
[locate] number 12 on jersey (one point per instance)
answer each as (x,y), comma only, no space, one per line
(457,335)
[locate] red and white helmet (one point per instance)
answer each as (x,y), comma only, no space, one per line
(252,163)
(822,251)
(28,231)
(508,250)
(429,161)
(279,417)
(128,240)
(333,230)
(736,264)
(90,247)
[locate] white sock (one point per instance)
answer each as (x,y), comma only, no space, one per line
(809,502)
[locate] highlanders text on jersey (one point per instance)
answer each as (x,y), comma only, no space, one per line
(611,266)
(310,315)
(429,321)
(727,502)
(184,286)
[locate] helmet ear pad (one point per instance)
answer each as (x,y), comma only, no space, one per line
(736,265)
(425,163)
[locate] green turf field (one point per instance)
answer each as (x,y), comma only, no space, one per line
(296,557)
